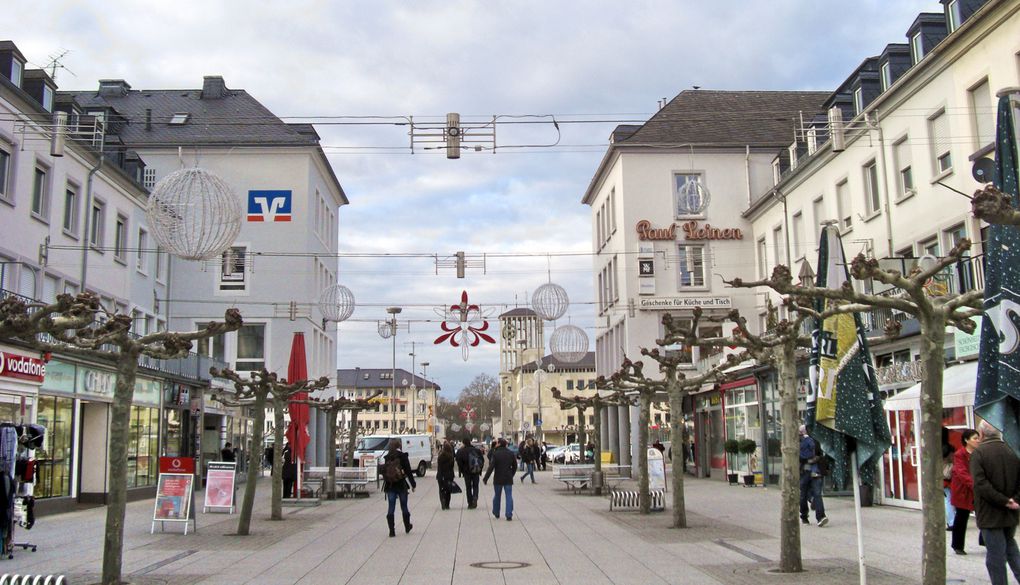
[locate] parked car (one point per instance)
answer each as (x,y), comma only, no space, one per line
(552,452)
(569,454)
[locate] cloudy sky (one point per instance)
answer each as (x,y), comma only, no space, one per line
(591,64)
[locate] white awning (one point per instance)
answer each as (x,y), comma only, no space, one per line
(957,389)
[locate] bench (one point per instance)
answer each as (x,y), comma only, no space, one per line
(576,477)
(349,481)
(614,474)
(632,499)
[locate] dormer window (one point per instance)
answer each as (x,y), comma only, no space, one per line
(885,72)
(916,48)
(812,141)
(775,172)
(858,100)
(17,67)
(180,119)
(954,17)
(792,149)
(47,98)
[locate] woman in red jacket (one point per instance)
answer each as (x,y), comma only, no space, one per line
(962,489)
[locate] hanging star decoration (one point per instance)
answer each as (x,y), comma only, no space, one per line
(464,325)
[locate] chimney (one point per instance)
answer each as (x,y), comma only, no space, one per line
(213,87)
(114,88)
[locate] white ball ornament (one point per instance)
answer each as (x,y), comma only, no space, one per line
(194,214)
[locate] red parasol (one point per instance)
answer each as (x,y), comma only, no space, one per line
(297,370)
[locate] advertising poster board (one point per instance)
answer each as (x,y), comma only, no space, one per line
(174,499)
(371,462)
(220,489)
(656,470)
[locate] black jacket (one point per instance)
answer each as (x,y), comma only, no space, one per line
(400,486)
(504,464)
(289,467)
(463,463)
(444,467)
(996,472)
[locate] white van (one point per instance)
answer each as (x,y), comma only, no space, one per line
(417,447)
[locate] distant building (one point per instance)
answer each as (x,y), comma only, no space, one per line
(413,405)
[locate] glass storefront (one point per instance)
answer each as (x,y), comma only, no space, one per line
(743,421)
(143,446)
(53,461)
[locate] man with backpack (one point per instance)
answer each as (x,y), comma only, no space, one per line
(396,472)
(471,463)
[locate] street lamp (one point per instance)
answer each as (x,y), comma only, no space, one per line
(413,389)
(389,329)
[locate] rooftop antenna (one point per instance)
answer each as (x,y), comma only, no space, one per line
(55,63)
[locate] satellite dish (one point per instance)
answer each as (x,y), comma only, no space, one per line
(983,170)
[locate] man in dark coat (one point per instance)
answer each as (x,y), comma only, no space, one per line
(467,455)
(504,465)
(996,472)
(289,472)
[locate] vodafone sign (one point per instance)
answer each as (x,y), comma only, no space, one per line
(22,367)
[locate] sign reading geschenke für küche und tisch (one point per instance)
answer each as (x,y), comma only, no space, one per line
(673,303)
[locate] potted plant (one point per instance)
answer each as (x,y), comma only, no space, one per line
(731,447)
(748,447)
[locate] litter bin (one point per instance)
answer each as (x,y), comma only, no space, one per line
(597,480)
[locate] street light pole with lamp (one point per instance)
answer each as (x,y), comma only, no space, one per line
(389,329)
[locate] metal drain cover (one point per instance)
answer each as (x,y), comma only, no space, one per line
(500,565)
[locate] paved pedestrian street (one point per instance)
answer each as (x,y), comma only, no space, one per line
(556,537)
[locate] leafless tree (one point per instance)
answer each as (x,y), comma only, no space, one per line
(332,407)
(596,403)
(934,314)
(992,205)
(80,327)
(280,394)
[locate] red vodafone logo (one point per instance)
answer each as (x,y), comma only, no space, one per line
(22,367)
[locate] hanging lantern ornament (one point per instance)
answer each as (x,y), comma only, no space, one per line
(194,214)
(569,343)
(692,197)
(550,301)
(336,303)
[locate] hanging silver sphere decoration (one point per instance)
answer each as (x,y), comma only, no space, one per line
(194,214)
(569,343)
(693,197)
(337,303)
(550,301)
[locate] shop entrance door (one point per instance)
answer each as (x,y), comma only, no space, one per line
(901,461)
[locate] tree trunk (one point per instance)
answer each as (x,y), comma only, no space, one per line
(276,507)
(331,432)
(581,439)
(644,496)
(120,422)
(789,525)
(597,451)
(352,441)
(676,438)
(933,541)
(254,465)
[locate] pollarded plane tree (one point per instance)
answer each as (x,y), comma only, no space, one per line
(263,388)
(992,205)
(332,407)
(80,326)
(596,403)
(677,386)
(934,313)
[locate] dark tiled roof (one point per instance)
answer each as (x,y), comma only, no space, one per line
(349,378)
(738,118)
(586,363)
(236,119)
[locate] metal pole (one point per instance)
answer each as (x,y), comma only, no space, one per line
(393,378)
(413,389)
(425,378)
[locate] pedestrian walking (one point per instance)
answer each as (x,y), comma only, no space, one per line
(811,478)
(995,470)
(962,489)
(228,452)
(504,466)
(444,473)
(471,464)
(529,456)
(948,451)
(543,456)
(396,475)
(289,472)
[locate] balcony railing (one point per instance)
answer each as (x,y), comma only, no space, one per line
(192,366)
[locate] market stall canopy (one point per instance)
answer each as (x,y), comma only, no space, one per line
(957,390)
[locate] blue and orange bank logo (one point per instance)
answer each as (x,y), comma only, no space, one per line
(269,205)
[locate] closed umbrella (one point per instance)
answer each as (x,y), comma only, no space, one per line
(997,394)
(297,430)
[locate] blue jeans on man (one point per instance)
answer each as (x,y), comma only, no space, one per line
(811,490)
(530,471)
(471,486)
(499,489)
(1000,549)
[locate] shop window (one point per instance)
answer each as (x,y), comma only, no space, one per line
(53,460)
(251,341)
(143,445)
